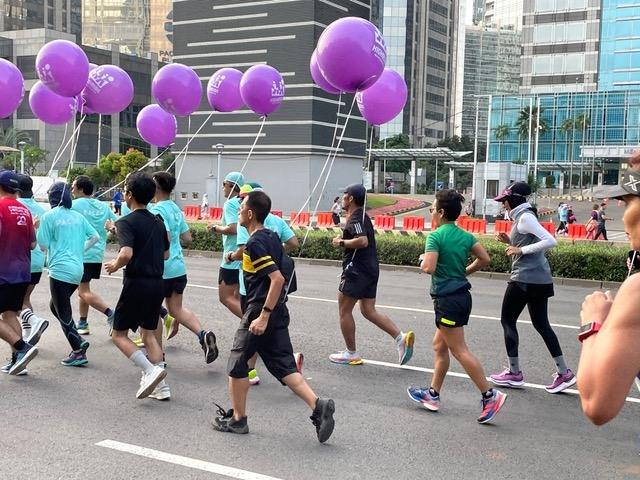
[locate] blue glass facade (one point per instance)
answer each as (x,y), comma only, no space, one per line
(619,45)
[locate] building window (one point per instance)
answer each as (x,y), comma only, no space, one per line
(560,32)
(559,64)
(544,6)
(492,189)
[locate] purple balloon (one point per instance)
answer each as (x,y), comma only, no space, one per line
(317,76)
(351,54)
(11,86)
(383,101)
(177,89)
(223,90)
(63,67)
(157,126)
(262,89)
(109,90)
(50,107)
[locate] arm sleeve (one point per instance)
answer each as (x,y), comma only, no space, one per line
(126,238)
(432,244)
(184,228)
(528,224)
(285,232)
(231,212)
(262,262)
(242,235)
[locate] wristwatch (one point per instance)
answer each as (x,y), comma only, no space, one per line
(267,309)
(215,229)
(587,330)
(342,243)
(228,257)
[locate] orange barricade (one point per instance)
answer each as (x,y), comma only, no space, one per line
(503,226)
(215,214)
(300,220)
(474,225)
(549,227)
(324,219)
(191,212)
(577,230)
(277,213)
(462,221)
(413,224)
(385,222)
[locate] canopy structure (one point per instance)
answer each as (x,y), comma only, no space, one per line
(4,149)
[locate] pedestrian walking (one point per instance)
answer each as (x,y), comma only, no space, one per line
(601,220)
(117,202)
(336,210)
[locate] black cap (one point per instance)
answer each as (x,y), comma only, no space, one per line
(517,189)
(9,181)
(357,191)
(26,185)
(630,185)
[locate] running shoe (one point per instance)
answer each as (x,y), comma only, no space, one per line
(170,326)
(209,346)
(491,406)
(83,328)
(423,395)
(150,381)
(22,358)
(225,422)
(299,359)
(7,367)
(161,392)
(76,359)
(507,378)
(254,379)
(346,358)
(38,327)
(139,342)
(322,418)
(405,348)
(561,382)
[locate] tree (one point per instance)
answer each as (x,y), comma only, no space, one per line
(33,156)
(502,132)
(397,141)
(10,137)
(567,127)
(527,115)
(167,159)
(75,172)
(132,161)
(581,123)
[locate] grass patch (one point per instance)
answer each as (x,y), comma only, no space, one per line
(379,201)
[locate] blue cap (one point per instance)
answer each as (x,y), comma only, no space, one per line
(10,181)
(60,195)
(235,177)
(357,191)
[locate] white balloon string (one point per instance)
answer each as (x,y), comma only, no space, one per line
(57,158)
(74,146)
(189,142)
(186,149)
(632,262)
(64,136)
(255,142)
(364,207)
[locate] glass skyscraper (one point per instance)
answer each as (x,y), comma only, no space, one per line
(619,45)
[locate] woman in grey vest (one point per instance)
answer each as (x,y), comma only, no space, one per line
(531,285)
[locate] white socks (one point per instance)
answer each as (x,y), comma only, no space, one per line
(141,361)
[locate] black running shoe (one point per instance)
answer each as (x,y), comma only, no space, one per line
(209,347)
(224,422)
(322,418)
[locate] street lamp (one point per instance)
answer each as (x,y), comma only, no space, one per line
(219,149)
(21,145)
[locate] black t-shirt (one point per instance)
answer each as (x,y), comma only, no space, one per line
(365,259)
(262,255)
(146,234)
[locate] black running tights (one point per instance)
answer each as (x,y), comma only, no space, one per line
(60,306)
(515,299)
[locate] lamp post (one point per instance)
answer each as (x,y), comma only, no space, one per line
(219,148)
(21,145)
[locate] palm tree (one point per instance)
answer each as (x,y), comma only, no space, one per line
(530,116)
(10,137)
(502,132)
(582,123)
(567,127)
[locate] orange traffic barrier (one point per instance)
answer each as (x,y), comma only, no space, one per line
(413,224)
(215,213)
(577,230)
(474,225)
(277,213)
(302,219)
(503,226)
(324,219)
(385,222)
(191,212)
(549,227)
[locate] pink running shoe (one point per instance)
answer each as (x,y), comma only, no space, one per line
(507,378)
(561,382)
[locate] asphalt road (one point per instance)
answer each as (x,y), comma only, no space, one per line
(85,423)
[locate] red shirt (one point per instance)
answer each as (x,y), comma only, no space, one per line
(16,237)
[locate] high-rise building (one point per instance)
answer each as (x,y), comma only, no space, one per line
(505,14)
(136,27)
(61,15)
(561,45)
(289,155)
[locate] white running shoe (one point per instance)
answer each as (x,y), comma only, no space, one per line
(161,392)
(38,326)
(150,381)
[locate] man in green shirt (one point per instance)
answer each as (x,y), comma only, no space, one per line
(446,257)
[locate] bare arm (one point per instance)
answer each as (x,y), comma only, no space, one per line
(186,239)
(481,261)
(291,244)
(230,229)
(354,243)
(124,256)
(429,262)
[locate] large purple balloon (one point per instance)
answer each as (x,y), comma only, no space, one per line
(63,67)
(223,90)
(50,107)
(317,76)
(177,89)
(157,126)
(109,90)
(351,54)
(385,99)
(262,89)
(11,86)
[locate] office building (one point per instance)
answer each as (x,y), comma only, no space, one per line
(61,15)
(504,14)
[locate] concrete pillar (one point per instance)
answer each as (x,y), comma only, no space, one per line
(412,175)
(376,176)
(452,178)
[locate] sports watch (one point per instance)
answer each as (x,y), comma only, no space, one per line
(587,330)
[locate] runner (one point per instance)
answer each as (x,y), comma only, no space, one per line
(264,327)
(531,285)
(290,243)
(359,281)
(17,238)
(228,279)
(117,202)
(32,326)
(447,252)
(66,235)
(175,270)
(100,216)
(144,245)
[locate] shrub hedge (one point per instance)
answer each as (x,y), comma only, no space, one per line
(583,260)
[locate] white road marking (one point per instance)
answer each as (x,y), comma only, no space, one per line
(464,375)
(184,461)
(387,307)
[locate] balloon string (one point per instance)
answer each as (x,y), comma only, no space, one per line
(364,207)
(255,142)
(55,160)
(64,136)
(74,146)
(189,142)
(186,152)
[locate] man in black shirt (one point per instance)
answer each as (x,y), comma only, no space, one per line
(264,328)
(144,246)
(359,282)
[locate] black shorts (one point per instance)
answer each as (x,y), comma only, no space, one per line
(358,285)
(91,272)
(229,276)
(35,278)
(177,285)
(273,346)
(336,218)
(453,310)
(243,303)
(11,296)
(139,304)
